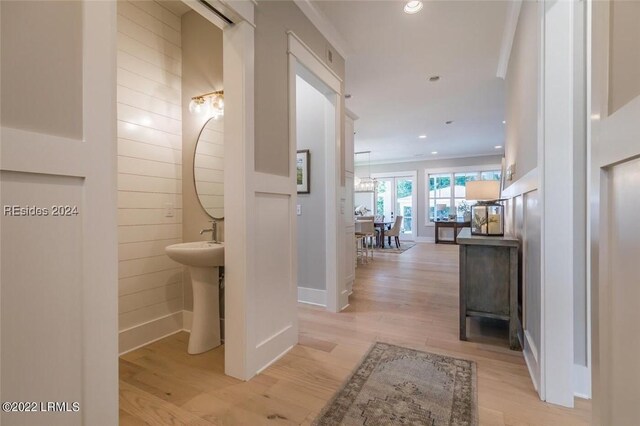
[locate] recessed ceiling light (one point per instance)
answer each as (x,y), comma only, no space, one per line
(498,146)
(504,122)
(412,7)
(448,122)
(434,152)
(422,136)
(434,78)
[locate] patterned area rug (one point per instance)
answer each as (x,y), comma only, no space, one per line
(400,386)
(404,246)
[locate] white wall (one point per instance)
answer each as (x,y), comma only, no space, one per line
(424,230)
(149,171)
(311,135)
(521,129)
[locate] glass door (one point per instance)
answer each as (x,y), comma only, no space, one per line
(395,197)
(404,205)
(384,199)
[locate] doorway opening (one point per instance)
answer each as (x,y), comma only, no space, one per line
(315,133)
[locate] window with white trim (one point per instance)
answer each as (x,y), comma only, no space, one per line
(446,193)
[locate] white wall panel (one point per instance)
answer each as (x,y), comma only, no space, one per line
(137,233)
(143,200)
(147,86)
(137,166)
(149,170)
(53,342)
(147,281)
(138,99)
(272,287)
(148,217)
(158,26)
(143,249)
(145,151)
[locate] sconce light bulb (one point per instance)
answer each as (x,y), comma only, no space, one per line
(195,107)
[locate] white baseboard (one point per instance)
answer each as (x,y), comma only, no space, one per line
(530,353)
(424,240)
(581,381)
(142,334)
(187,319)
(312,296)
(529,359)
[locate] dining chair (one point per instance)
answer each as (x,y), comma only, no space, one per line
(365,230)
(395,231)
(379,219)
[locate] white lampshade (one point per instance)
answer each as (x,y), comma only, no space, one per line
(441,207)
(483,190)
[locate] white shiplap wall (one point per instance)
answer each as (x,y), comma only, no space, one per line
(149,171)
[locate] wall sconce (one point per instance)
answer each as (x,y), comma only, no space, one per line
(210,104)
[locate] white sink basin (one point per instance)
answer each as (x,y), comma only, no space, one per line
(203,258)
(199,253)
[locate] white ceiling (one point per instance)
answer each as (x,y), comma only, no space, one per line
(391,55)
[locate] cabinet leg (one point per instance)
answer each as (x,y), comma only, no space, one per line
(514,342)
(463,327)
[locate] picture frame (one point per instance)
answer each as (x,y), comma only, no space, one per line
(303,163)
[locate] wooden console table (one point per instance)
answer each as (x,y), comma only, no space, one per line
(457,226)
(489,281)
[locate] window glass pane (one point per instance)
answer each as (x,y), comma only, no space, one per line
(461,180)
(491,175)
(432,187)
(440,185)
(383,200)
(440,209)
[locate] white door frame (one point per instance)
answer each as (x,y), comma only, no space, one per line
(238,65)
(299,53)
(412,174)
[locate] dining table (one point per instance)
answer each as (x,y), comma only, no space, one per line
(382,226)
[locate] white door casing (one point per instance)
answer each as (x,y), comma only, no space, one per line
(59,273)
(337,294)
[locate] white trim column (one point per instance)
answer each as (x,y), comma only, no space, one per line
(238,63)
(556,167)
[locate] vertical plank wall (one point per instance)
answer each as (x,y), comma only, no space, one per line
(149,171)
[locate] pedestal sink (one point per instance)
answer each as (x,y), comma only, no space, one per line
(203,259)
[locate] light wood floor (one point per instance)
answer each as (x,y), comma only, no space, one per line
(408,299)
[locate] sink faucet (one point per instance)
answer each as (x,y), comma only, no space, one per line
(213,229)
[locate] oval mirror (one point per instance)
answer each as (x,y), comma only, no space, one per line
(208,167)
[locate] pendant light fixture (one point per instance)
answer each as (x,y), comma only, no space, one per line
(365,184)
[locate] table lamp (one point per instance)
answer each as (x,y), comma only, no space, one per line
(487,215)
